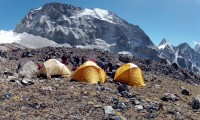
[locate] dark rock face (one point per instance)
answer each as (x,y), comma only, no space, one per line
(190,59)
(64,23)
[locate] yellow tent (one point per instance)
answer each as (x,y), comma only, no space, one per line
(89,72)
(54,67)
(129,74)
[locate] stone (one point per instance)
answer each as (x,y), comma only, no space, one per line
(175,66)
(36,105)
(126,94)
(6,96)
(122,87)
(134,101)
(170,97)
(28,69)
(153,106)
(102,88)
(195,104)
(125,58)
(26,81)
(176,114)
(7,73)
(114,118)
(120,106)
(157,86)
(109,110)
(139,107)
(185,91)
(114,100)
(11,78)
(47,88)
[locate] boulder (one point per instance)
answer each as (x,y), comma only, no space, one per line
(195,104)
(122,87)
(139,107)
(175,66)
(185,91)
(127,94)
(109,110)
(153,106)
(125,58)
(28,69)
(26,81)
(163,61)
(170,97)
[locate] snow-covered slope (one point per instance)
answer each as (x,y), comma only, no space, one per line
(26,39)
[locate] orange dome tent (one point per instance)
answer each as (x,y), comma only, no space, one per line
(130,74)
(89,72)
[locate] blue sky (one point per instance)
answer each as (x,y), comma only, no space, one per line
(176,20)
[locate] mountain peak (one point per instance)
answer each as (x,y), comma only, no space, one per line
(164,41)
(184,45)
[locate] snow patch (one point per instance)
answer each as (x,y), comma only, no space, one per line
(39,8)
(27,40)
(96,13)
(36,9)
(162,46)
(98,44)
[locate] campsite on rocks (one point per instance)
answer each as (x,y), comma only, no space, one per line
(70,63)
(169,93)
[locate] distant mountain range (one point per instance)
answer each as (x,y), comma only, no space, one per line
(97,28)
(183,55)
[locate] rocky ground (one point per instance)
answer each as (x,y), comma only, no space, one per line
(170,92)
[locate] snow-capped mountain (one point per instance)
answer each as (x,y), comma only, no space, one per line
(183,55)
(76,26)
(27,40)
